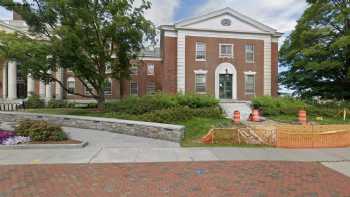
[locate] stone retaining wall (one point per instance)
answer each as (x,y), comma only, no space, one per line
(136,128)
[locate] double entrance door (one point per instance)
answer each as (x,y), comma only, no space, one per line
(225,86)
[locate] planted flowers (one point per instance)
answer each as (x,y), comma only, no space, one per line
(10,138)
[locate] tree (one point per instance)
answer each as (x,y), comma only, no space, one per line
(317,53)
(87,37)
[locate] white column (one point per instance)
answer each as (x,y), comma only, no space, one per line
(59,89)
(12,80)
(48,91)
(4,81)
(30,85)
(42,90)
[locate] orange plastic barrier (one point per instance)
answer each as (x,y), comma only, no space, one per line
(314,137)
(302,117)
(209,138)
(237,117)
(256,115)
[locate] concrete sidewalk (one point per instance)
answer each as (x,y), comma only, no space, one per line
(106,147)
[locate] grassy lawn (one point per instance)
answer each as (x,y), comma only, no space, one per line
(196,128)
(325,121)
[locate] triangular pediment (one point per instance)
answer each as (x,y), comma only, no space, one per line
(225,20)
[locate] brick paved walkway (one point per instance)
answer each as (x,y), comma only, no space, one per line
(254,179)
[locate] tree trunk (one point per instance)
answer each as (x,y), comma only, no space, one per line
(101,101)
(121,88)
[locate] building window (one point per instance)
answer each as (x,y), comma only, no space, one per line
(150,69)
(134,89)
(201,51)
(249,53)
(226,50)
(151,88)
(88,89)
(71,85)
(108,87)
(133,70)
(108,68)
(201,86)
(250,84)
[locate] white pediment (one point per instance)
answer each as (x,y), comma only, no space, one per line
(218,24)
(225,20)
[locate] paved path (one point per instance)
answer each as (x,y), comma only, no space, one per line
(106,147)
(240,178)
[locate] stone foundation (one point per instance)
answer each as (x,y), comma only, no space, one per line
(136,128)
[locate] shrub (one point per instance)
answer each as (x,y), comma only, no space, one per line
(277,106)
(178,114)
(35,102)
(57,104)
(40,131)
(150,103)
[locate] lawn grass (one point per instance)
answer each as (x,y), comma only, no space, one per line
(325,121)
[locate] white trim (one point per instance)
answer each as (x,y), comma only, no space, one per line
(181,59)
(200,71)
(267,67)
(275,39)
(70,79)
(249,73)
(170,34)
(228,11)
(150,58)
(232,50)
(221,69)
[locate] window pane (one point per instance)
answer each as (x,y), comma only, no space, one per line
(249,53)
(150,69)
(134,88)
(71,87)
(89,87)
(226,50)
(250,84)
(201,83)
(151,88)
(133,70)
(108,88)
(201,51)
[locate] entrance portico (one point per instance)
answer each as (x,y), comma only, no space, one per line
(226,81)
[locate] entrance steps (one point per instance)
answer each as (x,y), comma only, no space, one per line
(229,106)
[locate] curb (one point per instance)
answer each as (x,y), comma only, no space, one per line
(44,146)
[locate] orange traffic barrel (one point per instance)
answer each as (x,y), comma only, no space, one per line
(237,117)
(256,116)
(302,117)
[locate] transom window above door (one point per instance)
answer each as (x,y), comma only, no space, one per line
(226,50)
(201,51)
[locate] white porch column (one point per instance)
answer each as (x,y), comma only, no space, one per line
(42,90)
(48,93)
(12,80)
(4,81)
(59,89)
(30,85)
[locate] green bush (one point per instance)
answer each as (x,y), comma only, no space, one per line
(178,114)
(34,102)
(278,106)
(40,131)
(150,103)
(57,104)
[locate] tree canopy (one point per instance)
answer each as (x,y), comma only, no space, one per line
(87,37)
(317,53)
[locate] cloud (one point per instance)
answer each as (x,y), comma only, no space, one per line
(279,14)
(5,14)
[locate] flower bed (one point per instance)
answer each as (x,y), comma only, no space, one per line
(10,138)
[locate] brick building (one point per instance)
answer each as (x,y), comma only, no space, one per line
(221,53)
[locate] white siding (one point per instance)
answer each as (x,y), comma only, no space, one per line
(181,67)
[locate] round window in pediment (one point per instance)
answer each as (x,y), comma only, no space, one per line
(226,22)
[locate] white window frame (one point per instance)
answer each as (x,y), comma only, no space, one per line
(130,88)
(246,52)
(246,74)
(197,51)
(225,55)
(153,69)
(109,92)
(153,88)
(108,68)
(71,80)
(203,73)
(86,92)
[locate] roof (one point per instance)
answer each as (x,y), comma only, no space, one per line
(183,24)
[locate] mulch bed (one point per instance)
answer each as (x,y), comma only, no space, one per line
(57,142)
